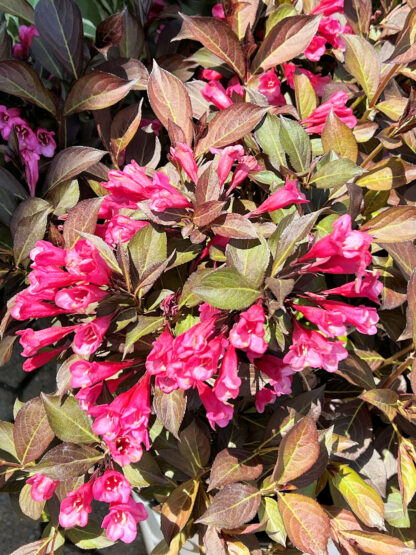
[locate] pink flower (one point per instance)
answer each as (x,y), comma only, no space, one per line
(111,487)
(330,323)
(30,160)
(270,87)
(369,287)
(246,165)
(8,117)
(32,341)
(364,318)
(227,385)
(85,373)
(218,11)
(87,396)
(289,194)
(42,487)
(210,75)
(88,337)
(85,262)
(248,333)
(120,229)
(234,87)
(215,93)
(160,356)
(125,449)
(156,9)
(217,412)
(77,299)
(329,7)
(342,251)
(183,154)
(264,397)
(26,34)
(310,348)
(46,254)
(317,81)
(46,145)
(279,373)
(43,358)
(45,280)
(228,156)
(121,522)
(163,195)
(316,49)
(76,507)
(26,137)
(27,306)
(315,122)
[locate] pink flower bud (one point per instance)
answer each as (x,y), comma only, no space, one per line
(42,487)
(289,194)
(228,156)
(43,358)
(264,397)
(227,385)
(32,340)
(215,93)
(183,154)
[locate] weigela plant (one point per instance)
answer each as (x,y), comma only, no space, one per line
(220,260)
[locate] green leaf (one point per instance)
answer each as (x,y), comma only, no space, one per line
(194,446)
(269,512)
(19,8)
(6,439)
(90,536)
(363,62)
(147,248)
(335,173)
(296,144)
(394,513)
(306,99)
(68,420)
(250,258)
(32,432)
(144,473)
(227,289)
(268,137)
(145,325)
(106,252)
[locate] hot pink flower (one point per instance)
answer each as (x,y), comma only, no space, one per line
(310,348)
(43,358)
(88,337)
(369,287)
(27,306)
(270,87)
(87,396)
(217,412)
(246,165)
(46,254)
(26,34)
(364,318)
(228,156)
(289,194)
(218,11)
(26,137)
(30,160)
(76,507)
(279,372)
(163,195)
(120,229)
(317,81)
(210,75)
(42,487)
(111,487)
(330,323)
(161,355)
(85,262)
(125,449)
(215,93)
(234,87)
(77,299)
(8,118)
(316,49)
(44,280)
(264,397)
(227,385)
(248,333)
(46,145)
(183,154)
(329,7)
(32,341)
(315,122)
(121,522)
(85,373)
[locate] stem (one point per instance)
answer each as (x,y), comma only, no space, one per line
(383,84)
(399,370)
(372,155)
(396,356)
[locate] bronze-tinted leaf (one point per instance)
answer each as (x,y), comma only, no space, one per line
(148,247)
(363,62)
(177,509)
(289,38)
(59,23)
(132,39)
(405,49)
(230,125)
(194,447)
(67,460)
(339,137)
(38,547)
(6,439)
(383,399)
(170,101)
(406,471)
(128,69)
(109,32)
(356,371)
(393,225)
(32,432)
(376,543)
(298,451)
(306,523)
(83,217)
(233,506)
(144,473)
(217,37)
(20,8)
(200,106)
(234,226)
(243,15)
(123,128)
(234,465)
(19,79)
(358,14)
(170,408)
(385,175)
(95,91)
(206,212)
(250,258)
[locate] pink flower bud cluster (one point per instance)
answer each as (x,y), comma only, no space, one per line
(31,145)
(21,50)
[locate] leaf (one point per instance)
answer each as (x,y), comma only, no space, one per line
(70,162)
(170,409)
(234,465)
(296,144)
(6,439)
(406,471)
(145,325)
(298,451)
(90,537)
(19,8)
(128,69)
(43,56)
(356,371)
(147,248)
(358,13)
(393,225)
(363,62)
(289,38)
(306,523)
(335,173)
(123,128)
(59,23)
(306,99)
(404,254)
(105,251)
(34,548)
(144,473)
(109,32)
(206,212)
(81,218)
(250,258)
(405,48)
(268,137)
(234,226)
(194,446)
(384,175)
(177,509)
(394,513)
(32,432)
(275,528)
(376,543)
(364,501)
(384,399)
(243,16)
(19,79)
(69,422)
(199,105)
(67,460)
(337,136)
(29,507)
(227,289)
(217,37)
(29,225)
(132,40)
(230,125)
(411,308)
(170,101)
(231,507)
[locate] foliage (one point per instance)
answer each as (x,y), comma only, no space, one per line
(208,222)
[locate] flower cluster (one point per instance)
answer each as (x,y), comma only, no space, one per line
(21,50)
